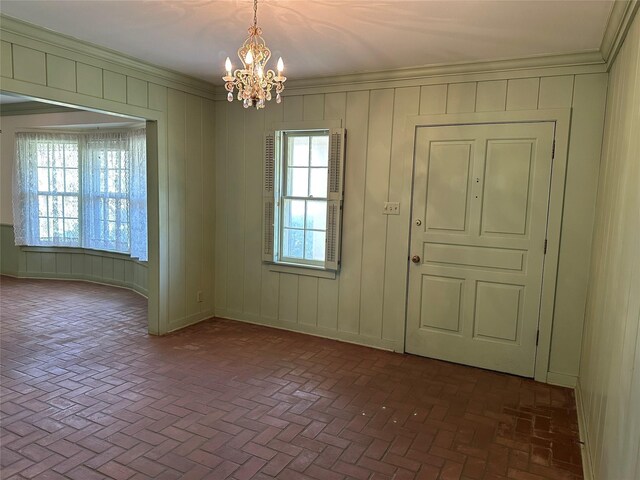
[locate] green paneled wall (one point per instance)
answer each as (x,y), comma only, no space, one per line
(365,303)
(70,264)
(609,383)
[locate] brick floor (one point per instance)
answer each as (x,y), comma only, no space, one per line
(86,393)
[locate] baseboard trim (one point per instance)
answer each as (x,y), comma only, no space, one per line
(77,278)
(587,465)
(562,379)
(187,321)
(346,337)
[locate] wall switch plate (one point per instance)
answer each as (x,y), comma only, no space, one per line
(391,208)
(199,296)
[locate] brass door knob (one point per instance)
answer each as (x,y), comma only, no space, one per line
(415,259)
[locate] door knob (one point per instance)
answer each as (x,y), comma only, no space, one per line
(415,259)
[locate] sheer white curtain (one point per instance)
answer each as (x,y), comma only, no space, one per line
(105,191)
(138,194)
(86,190)
(46,190)
(115,192)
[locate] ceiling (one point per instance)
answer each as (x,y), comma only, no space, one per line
(325,37)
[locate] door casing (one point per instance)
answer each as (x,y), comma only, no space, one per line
(561,118)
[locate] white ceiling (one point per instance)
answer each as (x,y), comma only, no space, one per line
(324,37)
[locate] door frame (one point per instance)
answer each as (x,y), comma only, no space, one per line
(562,120)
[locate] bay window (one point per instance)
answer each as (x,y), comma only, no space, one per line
(82,190)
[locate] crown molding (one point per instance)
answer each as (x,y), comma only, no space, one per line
(618,24)
(542,65)
(511,64)
(102,57)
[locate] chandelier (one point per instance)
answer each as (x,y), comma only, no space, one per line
(254,82)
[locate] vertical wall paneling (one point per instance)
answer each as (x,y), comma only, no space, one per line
(433,99)
(29,65)
(208,182)
(6,59)
(89,80)
(63,265)
(61,73)
(522,94)
(491,96)
(48,261)
(609,382)
(114,86)
(270,284)
(254,132)
(177,267)
(375,223)
(357,126)
(556,92)
(69,264)
(293,108)
(313,107)
(235,207)
(157,97)
(221,244)
(406,102)
(137,92)
(193,202)
(579,203)
(288,298)
(335,108)
(366,301)
(461,97)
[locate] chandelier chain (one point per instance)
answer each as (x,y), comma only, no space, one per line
(255,13)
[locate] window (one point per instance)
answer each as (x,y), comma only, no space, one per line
(57,190)
(84,190)
(303,197)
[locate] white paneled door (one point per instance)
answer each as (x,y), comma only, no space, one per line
(478,227)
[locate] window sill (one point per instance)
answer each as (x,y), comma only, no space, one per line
(302,270)
(86,251)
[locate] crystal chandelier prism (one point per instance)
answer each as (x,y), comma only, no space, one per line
(254,82)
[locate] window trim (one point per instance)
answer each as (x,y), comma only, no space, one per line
(271,195)
(282,197)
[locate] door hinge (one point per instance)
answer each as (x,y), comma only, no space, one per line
(553,149)
(545,246)
(537,337)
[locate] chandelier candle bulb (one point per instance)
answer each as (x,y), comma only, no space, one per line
(255,82)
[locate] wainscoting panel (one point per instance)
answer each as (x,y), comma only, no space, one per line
(71,264)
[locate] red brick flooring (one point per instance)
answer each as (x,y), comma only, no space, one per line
(86,394)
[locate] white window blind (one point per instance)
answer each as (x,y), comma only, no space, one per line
(84,190)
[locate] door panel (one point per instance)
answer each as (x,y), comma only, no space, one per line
(448,186)
(506,187)
(479,210)
(441,300)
